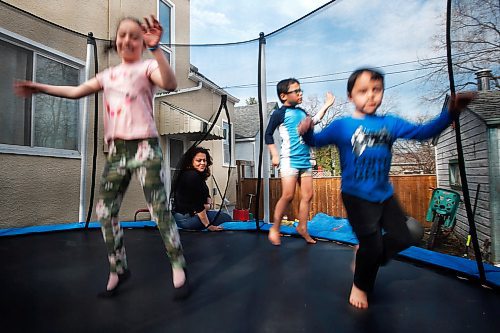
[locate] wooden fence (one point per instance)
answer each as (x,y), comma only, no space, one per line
(413,192)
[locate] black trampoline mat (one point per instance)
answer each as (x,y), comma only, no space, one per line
(240,282)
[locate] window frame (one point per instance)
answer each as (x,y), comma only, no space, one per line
(169,50)
(55,55)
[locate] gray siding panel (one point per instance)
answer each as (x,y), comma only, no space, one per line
(494,137)
(475,149)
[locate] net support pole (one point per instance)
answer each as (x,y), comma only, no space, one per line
(461,159)
(263,100)
(263,165)
(84,120)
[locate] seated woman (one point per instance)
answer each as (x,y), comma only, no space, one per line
(191,197)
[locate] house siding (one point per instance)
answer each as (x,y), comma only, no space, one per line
(494,168)
(38,190)
(475,148)
(246,151)
(206,104)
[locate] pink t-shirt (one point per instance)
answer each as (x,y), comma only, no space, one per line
(128,101)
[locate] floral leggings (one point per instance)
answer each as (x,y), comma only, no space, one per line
(145,158)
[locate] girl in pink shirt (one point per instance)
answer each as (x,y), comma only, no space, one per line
(131,133)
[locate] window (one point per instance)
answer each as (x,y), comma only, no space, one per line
(454,171)
(165,16)
(176,151)
(43,121)
(228,133)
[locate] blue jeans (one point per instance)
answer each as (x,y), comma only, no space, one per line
(186,221)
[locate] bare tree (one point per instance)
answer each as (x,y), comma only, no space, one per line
(312,104)
(413,157)
(326,157)
(475,41)
(251,101)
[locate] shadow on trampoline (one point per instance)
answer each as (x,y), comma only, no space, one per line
(240,284)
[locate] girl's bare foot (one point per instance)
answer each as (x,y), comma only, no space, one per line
(112,281)
(302,230)
(178,277)
(182,290)
(274,237)
(358,298)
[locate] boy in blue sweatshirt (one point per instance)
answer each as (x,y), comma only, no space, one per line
(365,140)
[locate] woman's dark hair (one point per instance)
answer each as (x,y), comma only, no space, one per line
(112,43)
(186,162)
(375,75)
(283,85)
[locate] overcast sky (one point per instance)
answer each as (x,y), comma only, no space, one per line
(337,40)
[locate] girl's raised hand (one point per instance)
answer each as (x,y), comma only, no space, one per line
(152,31)
(25,88)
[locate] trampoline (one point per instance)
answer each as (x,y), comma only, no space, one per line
(241,283)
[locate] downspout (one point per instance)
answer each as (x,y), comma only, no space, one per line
(180,91)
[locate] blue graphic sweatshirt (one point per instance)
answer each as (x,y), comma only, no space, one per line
(365,146)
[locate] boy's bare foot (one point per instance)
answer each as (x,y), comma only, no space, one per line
(303,232)
(274,237)
(358,298)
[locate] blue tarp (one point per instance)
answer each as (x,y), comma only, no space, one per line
(321,226)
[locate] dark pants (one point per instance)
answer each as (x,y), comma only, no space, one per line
(376,247)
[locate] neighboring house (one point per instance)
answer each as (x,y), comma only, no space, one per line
(182,118)
(247,134)
(40,138)
(480,132)
(413,157)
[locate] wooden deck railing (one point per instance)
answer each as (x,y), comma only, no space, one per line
(413,192)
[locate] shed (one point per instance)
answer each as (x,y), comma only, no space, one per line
(480,131)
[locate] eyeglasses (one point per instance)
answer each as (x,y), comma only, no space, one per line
(297,91)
